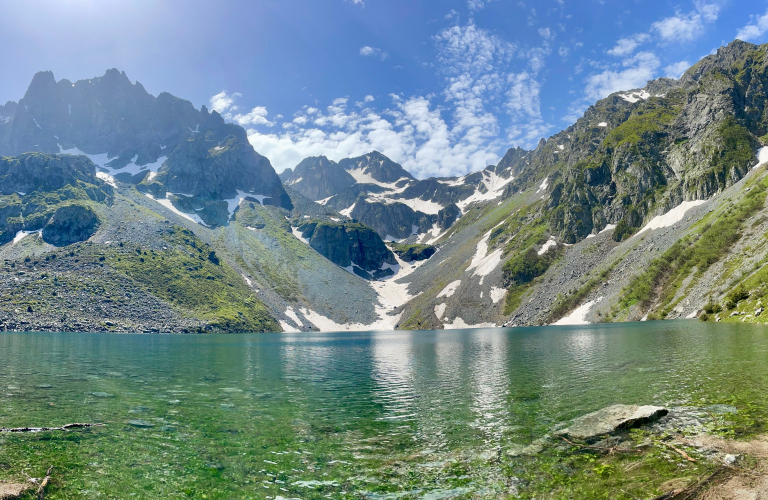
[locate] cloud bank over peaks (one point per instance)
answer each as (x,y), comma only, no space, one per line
(451,133)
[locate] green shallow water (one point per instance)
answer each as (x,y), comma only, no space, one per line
(348,415)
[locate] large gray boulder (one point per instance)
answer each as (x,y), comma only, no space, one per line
(612,419)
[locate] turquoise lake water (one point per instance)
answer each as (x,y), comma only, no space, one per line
(348,415)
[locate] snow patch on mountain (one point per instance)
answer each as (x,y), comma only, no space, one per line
(578,316)
(167,204)
(450,289)
(460,324)
(440,310)
(672,217)
(494,186)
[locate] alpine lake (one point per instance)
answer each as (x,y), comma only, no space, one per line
(373,415)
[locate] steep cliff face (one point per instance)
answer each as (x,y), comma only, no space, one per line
(352,246)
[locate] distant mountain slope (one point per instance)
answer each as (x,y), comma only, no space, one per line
(381,194)
(133,136)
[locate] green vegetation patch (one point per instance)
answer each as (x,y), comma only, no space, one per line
(699,250)
(642,123)
(190,276)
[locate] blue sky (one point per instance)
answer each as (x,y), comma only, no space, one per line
(443,87)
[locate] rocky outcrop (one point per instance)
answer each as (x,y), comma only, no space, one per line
(285,175)
(411,253)
(352,246)
(35,171)
(447,216)
(217,166)
(391,220)
(70,224)
(34,185)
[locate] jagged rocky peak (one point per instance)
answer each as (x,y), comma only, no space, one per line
(375,167)
(285,175)
(7,111)
(724,59)
(318,178)
(162,142)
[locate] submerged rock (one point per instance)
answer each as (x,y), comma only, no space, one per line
(612,419)
(142,424)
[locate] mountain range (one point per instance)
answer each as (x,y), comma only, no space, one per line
(124,211)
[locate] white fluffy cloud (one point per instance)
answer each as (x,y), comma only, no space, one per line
(677,69)
(225,104)
(686,27)
(755,29)
(373,52)
(449,134)
(222,102)
(627,46)
(637,71)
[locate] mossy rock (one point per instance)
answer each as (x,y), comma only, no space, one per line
(409,253)
(70,224)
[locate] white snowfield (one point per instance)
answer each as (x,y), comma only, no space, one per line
(484,263)
(440,310)
(391,294)
(546,246)
(348,211)
(101,161)
(417,204)
(543,186)
(450,289)
(635,96)
(292,314)
(672,217)
(762,156)
(363,177)
(297,233)
(602,124)
(497,294)
(578,315)
(21,234)
(167,204)
(494,186)
(233,203)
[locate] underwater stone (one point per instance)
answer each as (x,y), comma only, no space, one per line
(611,419)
